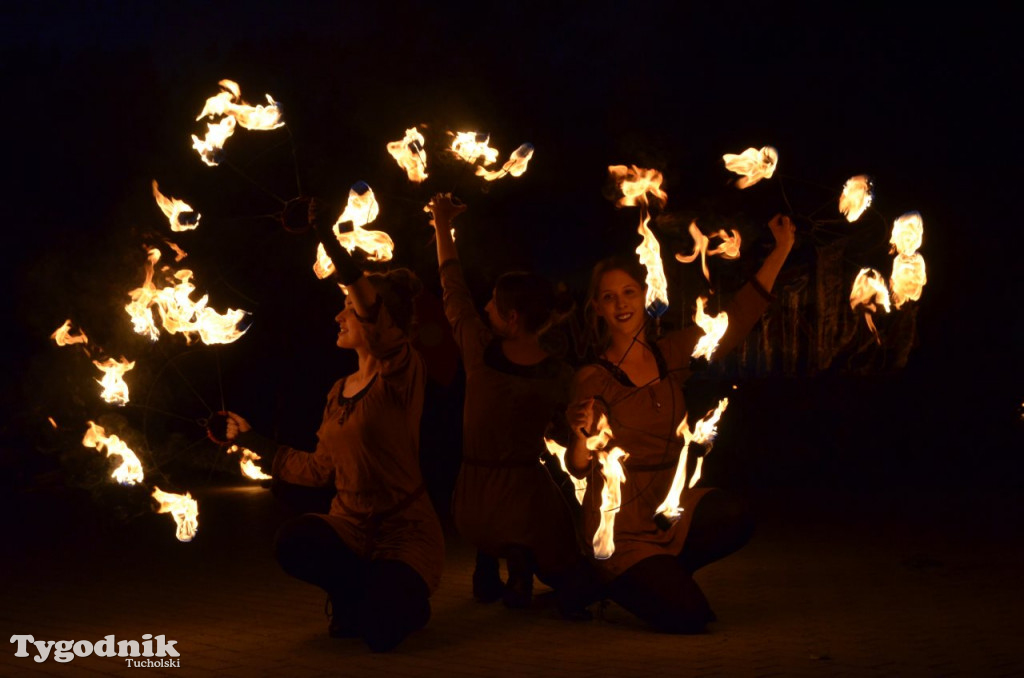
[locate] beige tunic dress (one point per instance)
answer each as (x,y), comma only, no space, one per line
(368,449)
(504,495)
(643,420)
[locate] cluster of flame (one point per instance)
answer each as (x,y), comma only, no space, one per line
(579,484)
(636,183)
(178,312)
(704,433)
(869,292)
(472,147)
(361,209)
(856,197)
(183,508)
(228,109)
(178,212)
(714,328)
(247,463)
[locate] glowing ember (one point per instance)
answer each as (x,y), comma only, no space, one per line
(409,154)
(178,312)
(856,197)
(63,335)
(908,278)
(752,165)
(704,433)
(636,183)
(179,213)
(579,484)
(907,234)
(714,327)
(115,390)
(52,422)
(183,508)
(129,471)
(247,463)
(471,146)
(868,293)
(514,166)
(611,499)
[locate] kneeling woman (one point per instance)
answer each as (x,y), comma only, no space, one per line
(637,383)
(379,551)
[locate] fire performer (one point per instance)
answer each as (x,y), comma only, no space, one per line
(379,549)
(637,383)
(505,501)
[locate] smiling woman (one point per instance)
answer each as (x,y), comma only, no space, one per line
(632,394)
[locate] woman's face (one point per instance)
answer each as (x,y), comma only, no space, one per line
(620,302)
(350,330)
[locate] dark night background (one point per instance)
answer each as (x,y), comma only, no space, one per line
(102,98)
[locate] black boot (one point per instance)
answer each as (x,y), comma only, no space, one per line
(487,584)
(519,588)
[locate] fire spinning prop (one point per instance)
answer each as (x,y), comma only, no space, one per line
(183,508)
(360,210)
(115,390)
(231,110)
(180,214)
(473,147)
(704,434)
(868,294)
(129,471)
(752,165)
(857,195)
(63,335)
(579,484)
(178,313)
(635,183)
(247,463)
(729,249)
(908,271)
(409,154)
(611,493)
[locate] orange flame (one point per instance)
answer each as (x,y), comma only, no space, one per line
(409,154)
(176,211)
(63,335)
(856,197)
(514,166)
(183,508)
(752,165)
(868,293)
(360,210)
(611,499)
(471,146)
(729,249)
(115,390)
(129,471)
(908,278)
(704,433)
(178,313)
(714,327)
(228,103)
(53,423)
(907,234)
(635,183)
(579,484)
(247,463)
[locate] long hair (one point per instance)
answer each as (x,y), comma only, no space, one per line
(597,329)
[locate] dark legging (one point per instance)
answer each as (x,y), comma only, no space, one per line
(381,600)
(661,590)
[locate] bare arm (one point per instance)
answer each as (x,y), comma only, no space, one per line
(444,209)
(785,234)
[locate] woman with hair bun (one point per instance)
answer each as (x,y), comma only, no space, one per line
(378,550)
(505,502)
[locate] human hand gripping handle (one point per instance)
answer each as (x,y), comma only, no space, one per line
(443,209)
(784,231)
(580,416)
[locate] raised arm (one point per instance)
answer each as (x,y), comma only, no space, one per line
(444,209)
(785,235)
(346,271)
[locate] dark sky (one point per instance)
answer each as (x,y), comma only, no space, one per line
(102,98)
